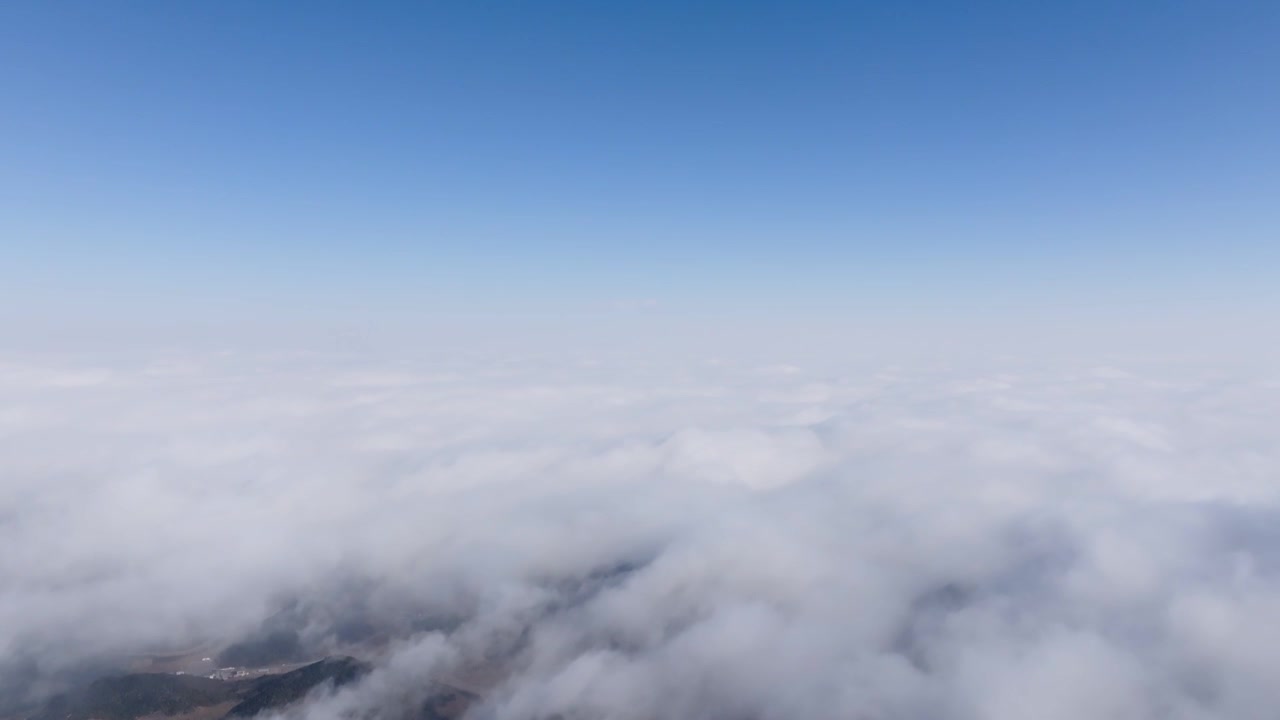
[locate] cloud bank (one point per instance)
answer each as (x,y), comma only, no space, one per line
(644,540)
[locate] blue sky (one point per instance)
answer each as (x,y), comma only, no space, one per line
(234,159)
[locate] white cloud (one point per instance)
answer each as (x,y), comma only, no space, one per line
(641,540)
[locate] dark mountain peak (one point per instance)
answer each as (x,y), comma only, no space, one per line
(128,697)
(277,691)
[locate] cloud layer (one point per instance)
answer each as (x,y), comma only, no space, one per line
(678,540)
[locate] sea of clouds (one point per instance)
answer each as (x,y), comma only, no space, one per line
(679,539)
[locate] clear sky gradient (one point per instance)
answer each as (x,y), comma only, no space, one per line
(221,160)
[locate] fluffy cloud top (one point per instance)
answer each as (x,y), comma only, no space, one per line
(638,540)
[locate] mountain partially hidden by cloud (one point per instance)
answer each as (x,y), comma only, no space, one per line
(651,540)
